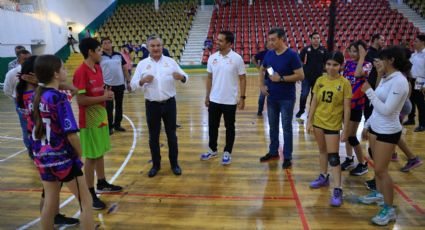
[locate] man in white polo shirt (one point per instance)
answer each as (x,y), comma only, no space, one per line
(418,83)
(157,76)
(225,68)
(115,75)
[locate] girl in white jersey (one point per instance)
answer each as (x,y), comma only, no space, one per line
(384,127)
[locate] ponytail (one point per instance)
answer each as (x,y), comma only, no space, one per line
(39,128)
(20,89)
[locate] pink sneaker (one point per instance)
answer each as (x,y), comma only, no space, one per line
(394,157)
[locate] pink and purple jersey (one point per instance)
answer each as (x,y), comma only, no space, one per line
(26,111)
(358,99)
(53,154)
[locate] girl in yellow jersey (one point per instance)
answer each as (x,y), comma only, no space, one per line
(330,107)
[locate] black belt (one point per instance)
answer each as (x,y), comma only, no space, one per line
(161,102)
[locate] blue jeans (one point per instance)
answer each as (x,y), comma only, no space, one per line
(24,130)
(261,99)
(306,85)
(284,108)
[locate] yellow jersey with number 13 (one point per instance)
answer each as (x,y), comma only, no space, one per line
(330,94)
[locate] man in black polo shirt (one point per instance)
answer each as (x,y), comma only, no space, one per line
(257,60)
(377,43)
(314,58)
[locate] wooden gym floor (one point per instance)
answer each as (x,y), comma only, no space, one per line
(245,195)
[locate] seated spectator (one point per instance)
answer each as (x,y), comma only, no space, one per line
(191,12)
(208,44)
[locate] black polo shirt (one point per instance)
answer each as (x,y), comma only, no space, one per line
(372,53)
(314,61)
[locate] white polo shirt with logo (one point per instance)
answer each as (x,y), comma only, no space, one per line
(113,74)
(225,72)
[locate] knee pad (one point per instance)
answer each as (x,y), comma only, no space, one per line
(353,141)
(333,159)
(369,150)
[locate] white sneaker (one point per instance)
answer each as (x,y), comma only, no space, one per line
(227,158)
(385,215)
(209,155)
(373,197)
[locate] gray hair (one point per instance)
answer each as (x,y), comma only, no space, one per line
(154,37)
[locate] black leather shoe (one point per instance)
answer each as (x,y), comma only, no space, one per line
(286,164)
(153,172)
(177,170)
(111,131)
(409,122)
(420,129)
(119,129)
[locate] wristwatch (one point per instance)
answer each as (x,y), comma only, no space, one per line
(282,79)
(243,97)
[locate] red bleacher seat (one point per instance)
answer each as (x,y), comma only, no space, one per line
(356,20)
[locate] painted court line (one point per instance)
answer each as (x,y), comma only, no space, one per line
(13,155)
(406,198)
(124,164)
(171,196)
(297,200)
(11,138)
(117,173)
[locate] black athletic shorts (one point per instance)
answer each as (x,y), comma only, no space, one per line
(74,173)
(356,115)
(388,138)
(327,131)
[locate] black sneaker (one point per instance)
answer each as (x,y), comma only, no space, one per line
(371,184)
(419,129)
(269,157)
(360,169)
(111,131)
(119,129)
(298,115)
(286,164)
(98,204)
(409,122)
(347,164)
(63,221)
(105,187)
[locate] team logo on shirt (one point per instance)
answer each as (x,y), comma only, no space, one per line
(148,67)
(92,82)
(68,124)
(214,62)
(339,88)
(321,85)
(166,65)
(309,49)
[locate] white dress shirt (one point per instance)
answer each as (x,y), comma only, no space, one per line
(11,81)
(225,72)
(163,86)
(387,100)
(418,66)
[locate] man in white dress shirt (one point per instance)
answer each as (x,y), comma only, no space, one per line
(156,77)
(10,82)
(14,63)
(225,68)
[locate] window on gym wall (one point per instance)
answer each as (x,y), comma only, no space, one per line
(24,6)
